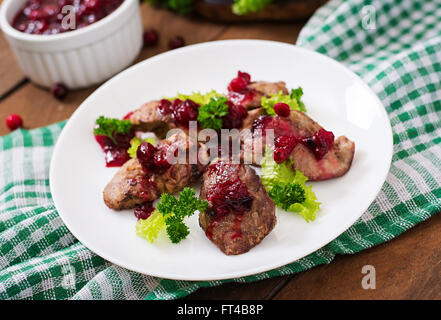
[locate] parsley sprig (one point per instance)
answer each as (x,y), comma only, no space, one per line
(110,127)
(210,114)
(286,194)
(170,214)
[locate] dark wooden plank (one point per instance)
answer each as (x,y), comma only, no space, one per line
(408,267)
(285,32)
(168,24)
(260,290)
(38,108)
(10,74)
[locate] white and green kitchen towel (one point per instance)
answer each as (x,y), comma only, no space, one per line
(394,45)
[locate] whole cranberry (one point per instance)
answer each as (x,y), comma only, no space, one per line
(165,106)
(237,84)
(282,109)
(185,112)
(59,91)
(244,75)
(150,37)
(235,116)
(176,42)
(323,141)
(145,154)
(160,159)
(14,121)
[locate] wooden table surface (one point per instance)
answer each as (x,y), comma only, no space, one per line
(408,267)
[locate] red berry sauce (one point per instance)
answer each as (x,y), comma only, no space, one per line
(286,137)
(320,143)
(144,211)
(46,16)
(234,119)
(238,91)
(115,153)
(152,159)
(182,111)
(228,195)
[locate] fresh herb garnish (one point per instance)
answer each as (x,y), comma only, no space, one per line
(293,100)
(199,98)
(285,195)
(210,114)
(110,127)
(170,214)
(281,177)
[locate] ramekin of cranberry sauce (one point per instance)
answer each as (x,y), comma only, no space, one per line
(47,16)
(105,38)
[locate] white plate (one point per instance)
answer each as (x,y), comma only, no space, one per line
(333,95)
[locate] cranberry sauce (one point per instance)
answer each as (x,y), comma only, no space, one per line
(115,153)
(286,137)
(320,143)
(182,112)
(238,91)
(228,195)
(46,16)
(144,211)
(234,119)
(153,159)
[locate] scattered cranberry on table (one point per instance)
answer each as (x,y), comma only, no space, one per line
(59,91)
(14,121)
(176,42)
(282,109)
(150,37)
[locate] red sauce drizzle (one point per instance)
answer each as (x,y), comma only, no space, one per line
(229,195)
(286,138)
(115,153)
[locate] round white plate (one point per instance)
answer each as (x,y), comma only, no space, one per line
(333,95)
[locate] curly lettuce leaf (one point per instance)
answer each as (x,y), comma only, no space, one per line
(199,98)
(150,228)
(135,143)
(242,7)
(293,100)
(282,174)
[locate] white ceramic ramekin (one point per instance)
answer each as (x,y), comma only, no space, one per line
(78,58)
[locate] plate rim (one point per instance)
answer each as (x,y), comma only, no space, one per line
(235,274)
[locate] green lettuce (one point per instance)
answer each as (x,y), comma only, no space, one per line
(242,7)
(281,174)
(293,100)
(150,228)
(199,98)
(135,143)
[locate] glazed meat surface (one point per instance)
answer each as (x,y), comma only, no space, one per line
(335,163)
(132,185)
(243,214)
(258,89)
(148,119)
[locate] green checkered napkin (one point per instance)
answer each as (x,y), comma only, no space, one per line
(399,57)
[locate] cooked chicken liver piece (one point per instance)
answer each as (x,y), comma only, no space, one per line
(237,232)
